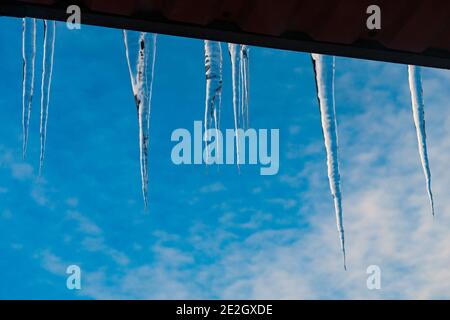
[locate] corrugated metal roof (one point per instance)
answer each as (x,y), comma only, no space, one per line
(413,31)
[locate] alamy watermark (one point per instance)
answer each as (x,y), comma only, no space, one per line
(373,22)
(373,281)
(73,281)
(209,147)
(74,19)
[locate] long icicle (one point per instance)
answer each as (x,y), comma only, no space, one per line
(46,82)
(29,55)
(245,76)
(143,47)
(213,100)
(324,71)
(236,85)
(415,86)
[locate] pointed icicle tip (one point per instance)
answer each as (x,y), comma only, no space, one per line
(140,52)
(324,73)
(344,258)
(236,81)
(418,110)
(47,70)
(245,80)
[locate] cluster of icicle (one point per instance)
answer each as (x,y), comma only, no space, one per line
(239,58)
(29,57)
(324,68)
(140,50)
(141,67)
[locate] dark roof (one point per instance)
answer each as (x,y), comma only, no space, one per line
(413,31)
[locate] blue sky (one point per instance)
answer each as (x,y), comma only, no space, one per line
(214,232)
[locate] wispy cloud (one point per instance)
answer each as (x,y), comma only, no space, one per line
(214,187)
(21,171)
(85,225)
(283,202)
(93,239)
(52,262)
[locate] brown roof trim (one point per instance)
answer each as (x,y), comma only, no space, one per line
(228,32)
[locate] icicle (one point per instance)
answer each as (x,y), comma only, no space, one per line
(415,86)
(140,50)
(236,84)
(29,55)
(245,76)
(213,101)
(324,72)
(46,82)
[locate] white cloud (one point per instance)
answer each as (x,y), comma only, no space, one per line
(93,239)
(97,244)
(38,194)
(22,171)
(172,256)
(51,262)
(214,187)
(283,202)
(85,225)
